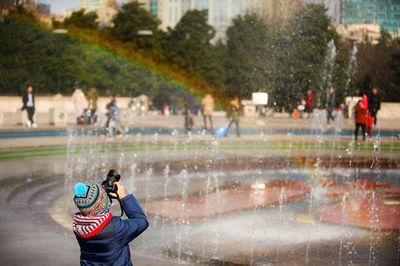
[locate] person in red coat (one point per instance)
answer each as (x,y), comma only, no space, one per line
(309,101)
(364,100)
(361,117)
(370,118)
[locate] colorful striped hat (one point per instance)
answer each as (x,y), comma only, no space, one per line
(91,199)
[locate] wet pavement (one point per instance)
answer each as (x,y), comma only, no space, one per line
(201,207)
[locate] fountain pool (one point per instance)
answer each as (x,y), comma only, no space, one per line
(224,202)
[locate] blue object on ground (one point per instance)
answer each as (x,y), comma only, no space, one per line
(221,132)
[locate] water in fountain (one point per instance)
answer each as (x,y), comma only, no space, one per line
(319,119)
(252,202)
(329,65)
(351,68)
(185,186)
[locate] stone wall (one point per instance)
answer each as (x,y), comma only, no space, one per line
(390,111)
(10,104)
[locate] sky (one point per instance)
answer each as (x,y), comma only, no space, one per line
(57,5)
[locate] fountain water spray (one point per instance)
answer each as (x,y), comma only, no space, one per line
(352,67)
(329,65)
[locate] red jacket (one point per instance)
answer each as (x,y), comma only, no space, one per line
(364,100)
(309,101)
(361,114)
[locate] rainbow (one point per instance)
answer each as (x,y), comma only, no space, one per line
(100,43)
(184,82)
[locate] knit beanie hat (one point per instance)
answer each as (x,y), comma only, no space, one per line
(91,199)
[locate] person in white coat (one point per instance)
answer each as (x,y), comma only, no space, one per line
(79,101)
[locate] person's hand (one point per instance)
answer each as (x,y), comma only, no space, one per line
(121,190)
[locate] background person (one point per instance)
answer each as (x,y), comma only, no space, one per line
(364,100)
(188,116)
(165,109)
(290,109)
(369,119)
(207,110)
(104,239)
(112,124)
(28,104)
(80,103)
(92,97)
(302,107)
(331,104)
(234,108)
(309,102)
(108,110)
(361,116)
(374,103)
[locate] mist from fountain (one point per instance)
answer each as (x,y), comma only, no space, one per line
(329,65)
(351,68)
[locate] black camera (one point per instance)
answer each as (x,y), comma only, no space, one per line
(109,184)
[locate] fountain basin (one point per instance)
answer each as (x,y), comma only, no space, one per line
(200,207)
(375,210)
(237,209)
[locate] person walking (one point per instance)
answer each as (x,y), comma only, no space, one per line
(207,110)
(234,108)
(28,104)
(369,120)
(92,97)
(188,119)
(361,116)
(309,102)
(331,104)
(112,126)
(104,239)
(374,104)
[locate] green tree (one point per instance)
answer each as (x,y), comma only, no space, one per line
(299,54)
(20,14)
(247,55)
(341,69)
(53,63)
(131,22)
(217,66)
(385,39)
(377,65)
(30,54)
(392,93)
(189,45)
(82,19)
